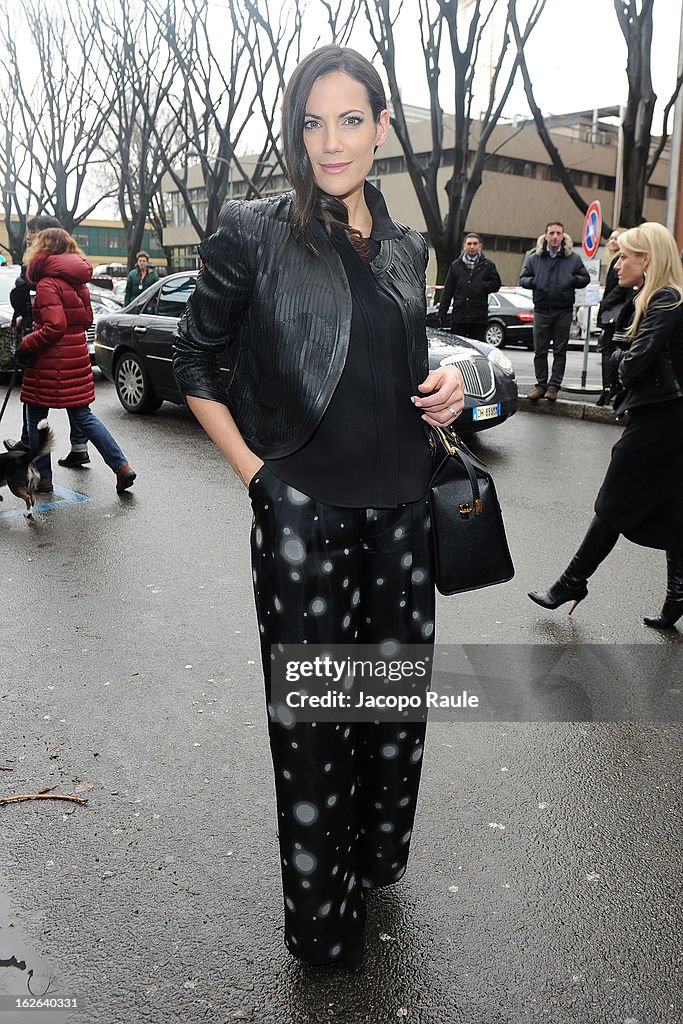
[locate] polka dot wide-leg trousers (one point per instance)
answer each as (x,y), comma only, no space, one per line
(346,792)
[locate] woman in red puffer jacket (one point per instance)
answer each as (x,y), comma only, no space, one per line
(58,374)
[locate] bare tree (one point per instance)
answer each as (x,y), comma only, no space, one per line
(444,28)
(639,157)
(639,161)
(64,97)
(13,157)
(143,134)
(227,90)
(541,127)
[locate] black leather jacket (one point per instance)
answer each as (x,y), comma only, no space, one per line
(650,366)
(285,316)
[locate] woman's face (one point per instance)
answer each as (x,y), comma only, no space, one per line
(613,243)
(631,267)
(340,134)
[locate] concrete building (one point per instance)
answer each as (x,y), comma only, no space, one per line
(103,241)
(519,194)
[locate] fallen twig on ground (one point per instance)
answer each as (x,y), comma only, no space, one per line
(42,796)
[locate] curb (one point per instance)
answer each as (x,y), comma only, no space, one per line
(569,410)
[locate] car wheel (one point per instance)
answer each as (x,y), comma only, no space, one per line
(495,334)
(133,385)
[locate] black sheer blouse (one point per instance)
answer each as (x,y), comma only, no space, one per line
(370,448)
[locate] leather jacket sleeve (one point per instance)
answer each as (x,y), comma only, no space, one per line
(215,310)
(659,326)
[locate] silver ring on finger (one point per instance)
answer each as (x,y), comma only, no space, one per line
(452,410)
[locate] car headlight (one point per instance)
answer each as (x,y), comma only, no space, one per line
(497,357)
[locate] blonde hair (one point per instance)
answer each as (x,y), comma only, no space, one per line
(52,240)
(664,269)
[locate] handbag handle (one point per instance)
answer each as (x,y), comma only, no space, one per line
(454,446)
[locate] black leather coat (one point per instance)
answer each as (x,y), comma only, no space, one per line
(285,316)
(650,367)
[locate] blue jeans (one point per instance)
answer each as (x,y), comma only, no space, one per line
(88,427)
(78,442)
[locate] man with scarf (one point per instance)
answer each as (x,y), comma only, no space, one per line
(469,282)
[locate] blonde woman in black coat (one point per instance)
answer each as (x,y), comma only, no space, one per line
(642,494)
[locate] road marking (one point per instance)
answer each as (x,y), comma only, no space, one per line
(64,497)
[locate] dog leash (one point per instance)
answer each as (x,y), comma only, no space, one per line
(9,390)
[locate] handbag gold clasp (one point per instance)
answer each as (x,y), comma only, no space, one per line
(466,509)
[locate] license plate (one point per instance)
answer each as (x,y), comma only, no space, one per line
(486,412)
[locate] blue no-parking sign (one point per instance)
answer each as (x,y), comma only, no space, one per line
(592,229)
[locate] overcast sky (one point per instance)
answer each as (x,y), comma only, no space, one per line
(577,57)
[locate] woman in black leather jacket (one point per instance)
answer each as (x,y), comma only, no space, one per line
(613,301)
(642,494)
(320,298)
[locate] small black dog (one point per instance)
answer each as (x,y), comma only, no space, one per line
(17,469)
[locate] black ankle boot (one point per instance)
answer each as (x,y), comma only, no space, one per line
(565,589)
(672,609)
(572,585)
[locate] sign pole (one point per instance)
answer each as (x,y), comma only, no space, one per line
(592,231)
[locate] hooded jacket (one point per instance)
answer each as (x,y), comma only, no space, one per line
(285,316)
(553,279)
(61,375)
(469,285)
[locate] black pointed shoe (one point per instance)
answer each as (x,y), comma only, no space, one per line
(559,594)
(667,618)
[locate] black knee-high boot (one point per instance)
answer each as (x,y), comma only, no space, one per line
(572,586)
(673,605)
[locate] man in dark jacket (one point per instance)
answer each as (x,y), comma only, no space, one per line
(469,282)
(554,272)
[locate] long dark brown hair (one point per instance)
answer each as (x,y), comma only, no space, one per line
(309,200)
(53,241)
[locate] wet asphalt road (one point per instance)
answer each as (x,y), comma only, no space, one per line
(544,882)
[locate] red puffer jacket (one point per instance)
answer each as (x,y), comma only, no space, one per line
(61,376)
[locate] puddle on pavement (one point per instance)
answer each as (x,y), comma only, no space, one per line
(25,974)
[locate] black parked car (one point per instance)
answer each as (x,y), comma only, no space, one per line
(102,302)
(511,318)
(133,349)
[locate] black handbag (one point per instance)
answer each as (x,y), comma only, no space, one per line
(470,547)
